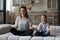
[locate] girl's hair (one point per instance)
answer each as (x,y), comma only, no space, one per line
(26,15)
(45,16)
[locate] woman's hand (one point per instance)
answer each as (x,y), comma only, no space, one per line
(34,27)
(31,27)
(13,26)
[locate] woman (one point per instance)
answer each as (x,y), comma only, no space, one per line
(23,25)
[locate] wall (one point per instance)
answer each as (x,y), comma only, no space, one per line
(42,6)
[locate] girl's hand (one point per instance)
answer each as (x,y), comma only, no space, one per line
(51,30)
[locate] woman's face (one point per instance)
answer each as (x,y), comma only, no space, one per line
(43,19)
(22,12)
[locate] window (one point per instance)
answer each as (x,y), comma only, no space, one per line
(2,11)
(49,3)
(52,4)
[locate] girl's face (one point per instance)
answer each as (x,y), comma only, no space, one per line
(43,19)
(22,12)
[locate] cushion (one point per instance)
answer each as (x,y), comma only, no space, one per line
(57,38)
(57,29)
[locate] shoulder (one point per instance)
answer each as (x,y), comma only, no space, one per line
(47,23)
(39,24)
(17,17)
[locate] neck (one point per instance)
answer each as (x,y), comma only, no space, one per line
(22,17)
(43,22)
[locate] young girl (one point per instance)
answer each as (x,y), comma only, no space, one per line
(23,25)
(43,27)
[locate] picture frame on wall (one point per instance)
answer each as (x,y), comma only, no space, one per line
(21,2)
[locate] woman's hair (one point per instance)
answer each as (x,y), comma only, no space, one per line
(26,15)
(45,16)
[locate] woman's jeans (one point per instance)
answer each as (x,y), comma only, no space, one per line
(28,32)
(42,33)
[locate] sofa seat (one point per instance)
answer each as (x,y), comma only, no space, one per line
(25,38)
(37,38)
(49,38)
(13,37)
(10,36)
(57,38)
(6,35)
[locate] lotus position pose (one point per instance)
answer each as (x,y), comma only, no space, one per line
(43,27)
(23,25)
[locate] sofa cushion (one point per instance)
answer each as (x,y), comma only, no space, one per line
(57,38)
(48,38)
(57,29)
(57,34)
(13,37)
(37,38)
(25,38)
(53,28)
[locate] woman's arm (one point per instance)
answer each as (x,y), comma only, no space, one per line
(13,26)
(34,27)
(16,24)
(30,23)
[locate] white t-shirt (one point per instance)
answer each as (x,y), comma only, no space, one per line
(43,27)
(23,24)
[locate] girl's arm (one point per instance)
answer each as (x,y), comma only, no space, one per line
(51,30)
(48,28)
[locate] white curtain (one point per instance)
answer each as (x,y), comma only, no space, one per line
(9,4)
(1,4)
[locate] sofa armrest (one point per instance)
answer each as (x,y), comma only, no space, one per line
(4,28)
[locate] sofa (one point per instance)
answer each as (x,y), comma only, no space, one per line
(6,35)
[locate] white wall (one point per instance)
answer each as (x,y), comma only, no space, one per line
(40,7)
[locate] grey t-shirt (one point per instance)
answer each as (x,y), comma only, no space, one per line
(23,24)
(43,27)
